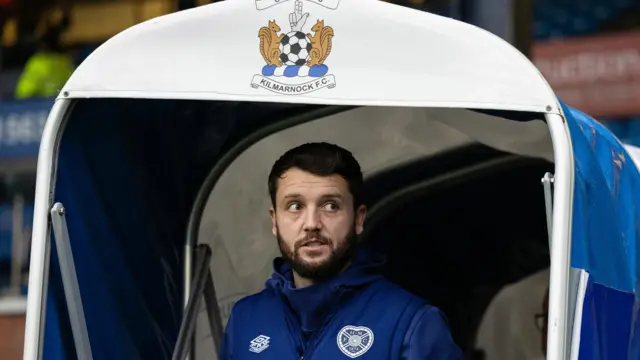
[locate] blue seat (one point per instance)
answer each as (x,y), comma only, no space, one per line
(6,228)
(5,232)
(558,19)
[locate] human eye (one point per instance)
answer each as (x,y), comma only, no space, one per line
(294,206)
(331,206)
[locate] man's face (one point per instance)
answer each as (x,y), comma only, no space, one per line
(315,223)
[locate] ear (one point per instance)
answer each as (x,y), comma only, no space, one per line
(274,225)
(360,214)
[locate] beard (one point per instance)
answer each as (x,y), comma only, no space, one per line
(328,268)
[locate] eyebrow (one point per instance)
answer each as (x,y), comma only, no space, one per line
(292,196)
(326,196)
(332,196)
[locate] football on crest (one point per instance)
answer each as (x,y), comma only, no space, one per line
(295,48)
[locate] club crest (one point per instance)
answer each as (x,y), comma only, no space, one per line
(295,58)
(354,341)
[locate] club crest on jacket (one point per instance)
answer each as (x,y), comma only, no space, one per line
(354,341)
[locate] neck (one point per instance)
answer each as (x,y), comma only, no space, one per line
(302,282)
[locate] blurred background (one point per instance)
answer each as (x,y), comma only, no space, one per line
(589,51)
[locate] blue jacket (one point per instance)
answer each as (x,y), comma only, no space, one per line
(358,314)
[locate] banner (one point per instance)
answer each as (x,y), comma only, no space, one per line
(264,4)
(328,81)
(598,75)
(21,125)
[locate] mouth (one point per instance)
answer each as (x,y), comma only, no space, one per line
(313,244)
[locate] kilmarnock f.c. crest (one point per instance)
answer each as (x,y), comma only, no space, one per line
(354,341)
(295,60)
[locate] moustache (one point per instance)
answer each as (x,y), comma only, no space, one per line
(312,238)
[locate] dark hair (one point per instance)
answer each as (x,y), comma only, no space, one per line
(52,38)
(51,41)
(321,159)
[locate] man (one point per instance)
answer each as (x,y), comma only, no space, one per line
(507,330)
(46,71)
(326,298)
(543,322)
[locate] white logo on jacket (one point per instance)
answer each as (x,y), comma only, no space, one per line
(259,344)
(354,341)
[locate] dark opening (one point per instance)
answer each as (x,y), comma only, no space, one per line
(468,234)
(458,241)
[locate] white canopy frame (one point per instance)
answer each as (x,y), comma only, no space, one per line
(468,68)
(41,247)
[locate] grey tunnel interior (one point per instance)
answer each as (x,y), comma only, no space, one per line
(459,227)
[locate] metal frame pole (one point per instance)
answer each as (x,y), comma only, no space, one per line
(202,287)
(70,283)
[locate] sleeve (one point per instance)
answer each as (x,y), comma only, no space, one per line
(30,79)
(226,347)
(429,338)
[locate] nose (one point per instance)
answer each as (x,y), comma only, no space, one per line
(312,220)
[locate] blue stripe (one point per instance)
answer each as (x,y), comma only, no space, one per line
(291,71)
(607,319)
(605,218)
(318,70)
(269,70)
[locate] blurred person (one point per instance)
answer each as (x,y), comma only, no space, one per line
(6,8)
(327,298)
(46,71)
(507,331)
(542,320)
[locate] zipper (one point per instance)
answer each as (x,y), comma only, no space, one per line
(294,327)
(311,344)
(317,335)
